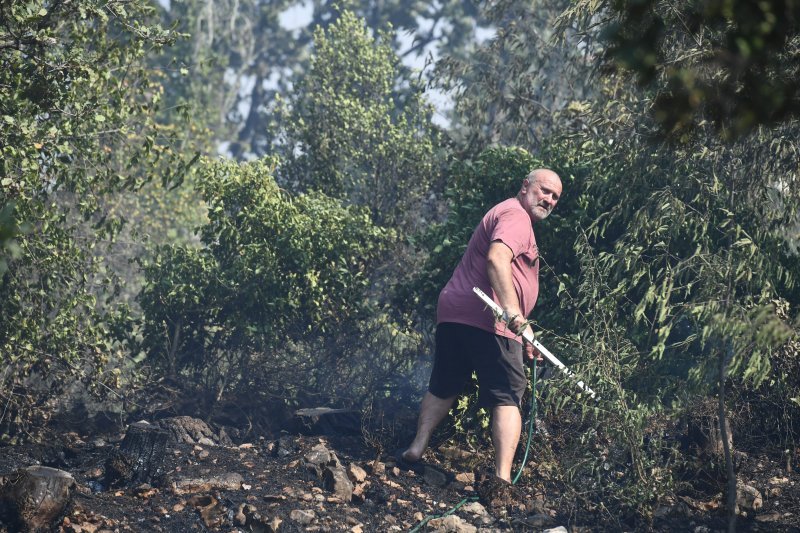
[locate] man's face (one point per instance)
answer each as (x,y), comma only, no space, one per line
(540,194)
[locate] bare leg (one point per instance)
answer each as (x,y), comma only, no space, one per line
(431,411)
(506,427)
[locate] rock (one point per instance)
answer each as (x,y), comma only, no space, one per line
(336,481)
(227,481)
(303,516)
(285,446)
(748,498)
(772,516)
(475,508)
(378,468)
(33,498)
(435,477)
(559,529)
(537,521)
(468,478)
(454,453)
(319,458)
(211,511)
(94,473)
(274,524)
(356,473)
(240,518)
(451,524)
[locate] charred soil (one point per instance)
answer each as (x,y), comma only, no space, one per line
(339,483)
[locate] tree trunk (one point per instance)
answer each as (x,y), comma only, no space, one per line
(34,498)
(139,457)
(726,445)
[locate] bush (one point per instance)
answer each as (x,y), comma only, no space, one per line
(280,280)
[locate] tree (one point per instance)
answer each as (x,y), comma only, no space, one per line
(240,57)
(226,317)
(77,121)
(514,88)
(734,64)
(348,134)
(719,277)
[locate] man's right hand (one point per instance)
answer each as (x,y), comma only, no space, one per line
(520,326)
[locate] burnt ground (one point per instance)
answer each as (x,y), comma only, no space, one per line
(279,489)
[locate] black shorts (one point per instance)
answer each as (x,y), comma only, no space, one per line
(462,349)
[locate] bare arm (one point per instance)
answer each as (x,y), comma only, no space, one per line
(498,268)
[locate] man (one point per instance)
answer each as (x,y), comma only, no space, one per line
(502,260)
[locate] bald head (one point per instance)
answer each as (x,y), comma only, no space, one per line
(539,193)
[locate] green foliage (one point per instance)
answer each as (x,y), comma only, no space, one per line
(240,61)
(349,135)
(226,43)
(77,107)
(267,273)
(513,89)
(679,252)
(732,63)
(680,272)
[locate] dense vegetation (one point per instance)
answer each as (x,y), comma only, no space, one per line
(301,267)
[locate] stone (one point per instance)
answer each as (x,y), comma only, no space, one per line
(320,455)
(378,468)
(474,508)
(303,516)
(538,521)
(468,478)
(285,446)
(559,529)
(336,481)
(452,524)
(228,481)
(748,498)
(772,516)
(356,473)
(454,453)
(36,496)
(435,477)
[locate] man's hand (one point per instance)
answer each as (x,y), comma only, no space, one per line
(531,352)
(520,326)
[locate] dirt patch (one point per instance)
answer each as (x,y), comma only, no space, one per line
(275,485)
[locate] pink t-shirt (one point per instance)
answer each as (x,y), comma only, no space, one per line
(509,223)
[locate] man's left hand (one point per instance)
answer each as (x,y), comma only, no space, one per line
(530,351)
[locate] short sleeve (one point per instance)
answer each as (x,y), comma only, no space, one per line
(513,228)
